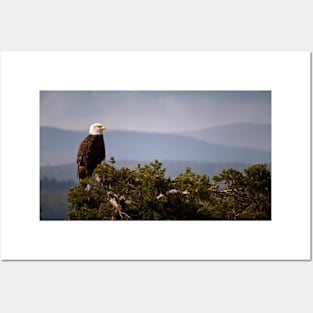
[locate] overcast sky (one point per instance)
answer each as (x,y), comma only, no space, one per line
(157,111)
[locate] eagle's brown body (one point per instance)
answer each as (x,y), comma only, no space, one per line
(91,152)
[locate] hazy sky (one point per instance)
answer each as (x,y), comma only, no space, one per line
(157,111)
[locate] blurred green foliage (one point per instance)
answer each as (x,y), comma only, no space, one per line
(145,193)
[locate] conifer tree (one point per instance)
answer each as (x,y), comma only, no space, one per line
(145,193)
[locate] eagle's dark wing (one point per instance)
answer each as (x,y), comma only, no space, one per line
(91,152)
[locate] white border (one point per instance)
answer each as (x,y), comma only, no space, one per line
(24,74)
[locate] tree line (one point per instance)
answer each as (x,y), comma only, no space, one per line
(146,193)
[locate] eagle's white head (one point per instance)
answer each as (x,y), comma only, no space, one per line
(96,129)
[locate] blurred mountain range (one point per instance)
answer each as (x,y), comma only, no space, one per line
(239,143)
(257,136)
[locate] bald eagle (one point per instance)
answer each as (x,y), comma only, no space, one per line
(91,151)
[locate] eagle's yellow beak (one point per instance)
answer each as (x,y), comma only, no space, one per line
(102,127)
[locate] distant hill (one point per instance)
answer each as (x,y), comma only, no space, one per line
(256,136)
(60,147)
(173,168)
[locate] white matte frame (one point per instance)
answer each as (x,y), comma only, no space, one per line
(285,237)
